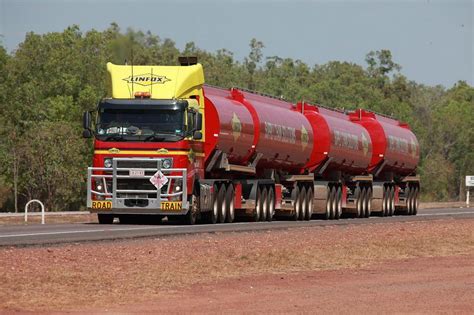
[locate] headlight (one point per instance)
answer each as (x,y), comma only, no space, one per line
(108,163)
(166,163)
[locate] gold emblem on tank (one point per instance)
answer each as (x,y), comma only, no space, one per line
(236,127)
(365,144)
(114,150)
(304,137)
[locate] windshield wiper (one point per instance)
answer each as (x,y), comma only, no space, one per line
(160,136)
(114,137)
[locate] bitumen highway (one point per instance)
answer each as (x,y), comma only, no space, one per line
(35,234)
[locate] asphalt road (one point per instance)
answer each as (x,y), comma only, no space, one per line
(37,234)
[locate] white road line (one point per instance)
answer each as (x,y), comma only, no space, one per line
(445,213)
(174,227)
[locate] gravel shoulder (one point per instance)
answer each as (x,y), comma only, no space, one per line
(370,262)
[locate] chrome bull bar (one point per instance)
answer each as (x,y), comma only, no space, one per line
(136,201)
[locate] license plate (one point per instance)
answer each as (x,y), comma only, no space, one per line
(171,205)
(137,173)
(103,205)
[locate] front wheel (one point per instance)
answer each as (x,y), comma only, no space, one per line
(105,218)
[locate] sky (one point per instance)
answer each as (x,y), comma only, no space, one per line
(431,40)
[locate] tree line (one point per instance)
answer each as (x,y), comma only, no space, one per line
(50,79)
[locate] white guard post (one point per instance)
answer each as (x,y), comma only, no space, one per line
(469,184)
(42,210)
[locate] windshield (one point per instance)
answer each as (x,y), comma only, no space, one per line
(128,124)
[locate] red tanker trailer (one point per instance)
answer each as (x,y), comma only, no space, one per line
(168,145)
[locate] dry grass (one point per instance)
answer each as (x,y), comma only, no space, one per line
(111,273)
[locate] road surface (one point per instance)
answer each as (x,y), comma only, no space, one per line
(36,234)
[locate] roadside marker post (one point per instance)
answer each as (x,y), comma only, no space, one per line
(42,210)
(469,184)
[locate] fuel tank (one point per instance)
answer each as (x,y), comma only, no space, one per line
(395,147)
(244,125)
(339,144)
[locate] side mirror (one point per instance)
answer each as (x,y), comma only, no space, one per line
(86,120)
(199,122)
(86,133)
(197,135)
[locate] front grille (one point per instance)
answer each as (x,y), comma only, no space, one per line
(137,184)
(137,164)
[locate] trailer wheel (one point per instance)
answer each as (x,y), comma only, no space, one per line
(271,204)
(221,204)
(264,208)
(303,201)
(415,200)
(211,216)
(391,205)
(229,204)
(333,199)
(105,218)
(297,203)
(358,194)
(309,209)
(368,200)
(363,204)
(409,196)
(338,204)
(327,214)
(258,205)
(385,205)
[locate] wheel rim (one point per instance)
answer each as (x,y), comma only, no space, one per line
(310,205)
(297,203)
(333,203)
(328,205)
(258,205)
(416,202)
(338,203)
(368,208)
(271,199)
(408,202)
(230,204)
(392,201)
(263,214)
(302,200)
(358,193)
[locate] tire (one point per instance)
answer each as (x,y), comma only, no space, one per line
(229,204)
(264,200)
(408,200)
(258,206)
(385,204)
(309,209)
(190,218)
(221,203)
(415,200)
(363,204)
(333,199)
(211,216)
(338,208)
(368,200)
(105,218)
(297,203)
(392,201)
(303,203)
(327,214)
(358,193)
(271,204)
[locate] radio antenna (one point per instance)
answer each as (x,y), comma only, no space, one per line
(133,79)
(151,83)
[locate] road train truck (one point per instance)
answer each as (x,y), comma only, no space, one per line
(167,145)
